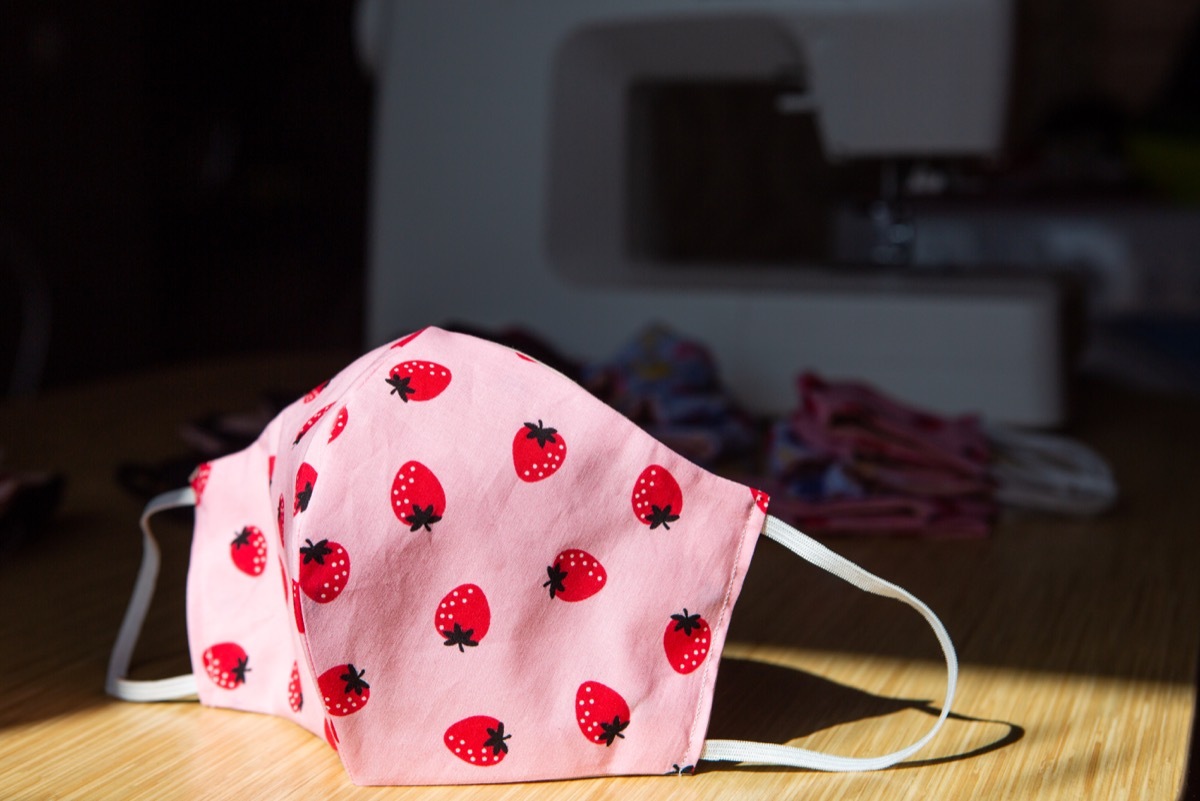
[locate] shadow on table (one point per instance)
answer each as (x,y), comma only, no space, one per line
(763,702)
(58,627)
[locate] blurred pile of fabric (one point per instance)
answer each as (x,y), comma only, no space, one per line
(669,385)
(851,459)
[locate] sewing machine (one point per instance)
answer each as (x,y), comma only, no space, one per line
(513,184)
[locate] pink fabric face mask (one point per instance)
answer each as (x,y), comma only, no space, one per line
(459,567)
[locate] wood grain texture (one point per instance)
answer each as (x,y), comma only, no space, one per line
(1078,638)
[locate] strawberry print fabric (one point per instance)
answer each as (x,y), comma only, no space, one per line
(458,567)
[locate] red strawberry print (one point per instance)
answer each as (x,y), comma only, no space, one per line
(575,575)
(312,421)
(344,690)
(339,424)
(306,479)
(761,499)
(538,451)
(409,338)
(324,570)
(295,696)
(523,356)
(657,499)
(601,712)
(249,551)
(418,499)
(270,469)
(686,641)
(296,607)
(479,739)
(226,664)
(279,521)
(315,391)
(199,480)
(331,735)
(463,616)
(418,380)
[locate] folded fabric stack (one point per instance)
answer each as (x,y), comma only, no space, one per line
(669,385)
(853,460)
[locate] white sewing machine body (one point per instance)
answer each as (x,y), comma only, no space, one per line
(502,187)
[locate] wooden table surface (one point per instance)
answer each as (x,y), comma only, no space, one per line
(1078,638)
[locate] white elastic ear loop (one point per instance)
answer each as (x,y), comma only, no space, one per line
(143,593)
(770,754)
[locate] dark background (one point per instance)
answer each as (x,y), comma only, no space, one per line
(191,180)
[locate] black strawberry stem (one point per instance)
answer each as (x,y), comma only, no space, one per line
(304,495)
(460,638)
(243,538)
(354,680)
(541,433)
(661,516)
(400,386)
(685,622)
(613,730)
(316,553)
(557,577)
(495,740)
(422,517)
(240,670)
